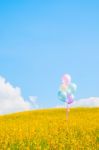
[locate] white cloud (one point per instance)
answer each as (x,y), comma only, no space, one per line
(11,99)
(86,102)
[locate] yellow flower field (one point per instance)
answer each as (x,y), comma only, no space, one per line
(49,130)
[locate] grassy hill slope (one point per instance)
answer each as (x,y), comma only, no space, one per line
(48,129)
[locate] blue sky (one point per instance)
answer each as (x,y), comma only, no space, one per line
(42,40)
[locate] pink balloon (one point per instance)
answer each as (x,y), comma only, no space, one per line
(66,79)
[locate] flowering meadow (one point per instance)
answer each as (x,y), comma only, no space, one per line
(49,130)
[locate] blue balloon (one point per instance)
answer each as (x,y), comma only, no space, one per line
(62,96)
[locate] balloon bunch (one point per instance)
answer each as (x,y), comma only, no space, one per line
(67,90)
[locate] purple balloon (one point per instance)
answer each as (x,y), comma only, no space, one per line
(70,99)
